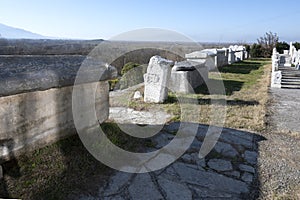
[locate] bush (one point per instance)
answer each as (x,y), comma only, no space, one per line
(256,51)
(113,84)
(134,77)
(128,66)
(280,46)
(297,45)
(248,47)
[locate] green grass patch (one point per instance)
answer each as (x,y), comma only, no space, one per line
(57,170)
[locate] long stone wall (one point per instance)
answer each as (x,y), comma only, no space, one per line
(36,100)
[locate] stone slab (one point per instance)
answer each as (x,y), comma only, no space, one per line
(156,79)
(20,74)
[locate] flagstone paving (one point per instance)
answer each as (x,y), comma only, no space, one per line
(228,172)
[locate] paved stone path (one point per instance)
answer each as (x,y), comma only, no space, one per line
(227,172)
(286,115)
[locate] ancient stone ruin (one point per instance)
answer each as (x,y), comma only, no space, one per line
(187,75)
(36,92)
(36,99)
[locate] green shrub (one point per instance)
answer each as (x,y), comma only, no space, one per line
(297,45)
(134,77)
(128,66)
(256,51)
(280,46)
(113,84)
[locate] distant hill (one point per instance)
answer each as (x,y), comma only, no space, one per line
(9,32)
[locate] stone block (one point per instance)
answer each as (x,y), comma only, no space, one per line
(207,56)
(36,99)
(220,165)
(276,79)
(186,76)
(231,57)
(34,119)
(156,79)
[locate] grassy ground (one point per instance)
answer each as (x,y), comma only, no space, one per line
(246,86)
(56,171)
(52,172)
(59,170)
(245,98)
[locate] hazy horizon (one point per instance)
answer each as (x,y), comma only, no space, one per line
(202,21)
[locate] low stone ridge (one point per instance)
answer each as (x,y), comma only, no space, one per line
(219,175)
(20,74)
(130,116)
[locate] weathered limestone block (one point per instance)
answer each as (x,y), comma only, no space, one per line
(275,60)
(275,64)
(239,52)
(276,79)
(35,119)
(231,56)
(156,79)
(297,60)
(206,56)
(239,56)
(222,57)
(20,74)
(38,112)
(186,76)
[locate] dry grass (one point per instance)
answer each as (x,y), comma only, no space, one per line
(246,97)
(251,114)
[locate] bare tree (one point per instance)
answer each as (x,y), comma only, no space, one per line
(268,42)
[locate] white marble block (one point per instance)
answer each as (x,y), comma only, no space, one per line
(156,79)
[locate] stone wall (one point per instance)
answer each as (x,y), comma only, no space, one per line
(36,100)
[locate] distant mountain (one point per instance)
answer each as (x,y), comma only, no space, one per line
(17,33)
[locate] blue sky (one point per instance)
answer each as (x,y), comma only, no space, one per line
(201,20)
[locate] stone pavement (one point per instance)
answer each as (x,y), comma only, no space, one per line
(285,110)
(227,172)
